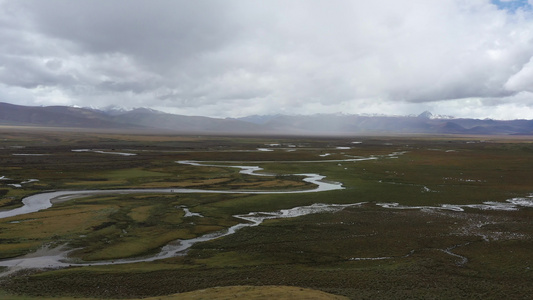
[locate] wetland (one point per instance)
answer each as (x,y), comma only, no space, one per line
(132,215)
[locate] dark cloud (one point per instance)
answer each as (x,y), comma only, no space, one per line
(130,25)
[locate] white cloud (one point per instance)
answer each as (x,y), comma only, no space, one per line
(237,57)
(523,79)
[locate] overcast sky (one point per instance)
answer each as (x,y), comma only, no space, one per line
(229,58)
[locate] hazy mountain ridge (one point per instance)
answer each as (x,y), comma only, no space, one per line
(195,124)
(319,124)
(54,116)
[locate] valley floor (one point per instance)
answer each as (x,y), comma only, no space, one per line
(404,217)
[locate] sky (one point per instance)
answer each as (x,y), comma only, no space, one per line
(234,58)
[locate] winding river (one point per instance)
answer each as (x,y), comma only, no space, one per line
(42,201)
(58,257)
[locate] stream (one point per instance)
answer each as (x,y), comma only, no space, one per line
(43,201)
(47,258)
(58,257)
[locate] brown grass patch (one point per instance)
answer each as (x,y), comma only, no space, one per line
(45,224)
(253,292)
(269,184)
(140,214)
(184,184)
(93,182)
(138,242)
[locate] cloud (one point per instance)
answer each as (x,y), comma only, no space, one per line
(522,80)
(237,57)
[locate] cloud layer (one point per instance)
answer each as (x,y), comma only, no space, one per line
(469,58)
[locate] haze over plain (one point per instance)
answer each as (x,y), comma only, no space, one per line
(466,58)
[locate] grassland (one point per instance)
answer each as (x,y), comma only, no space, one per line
(361,252)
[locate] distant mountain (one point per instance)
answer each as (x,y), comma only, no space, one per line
(257,119)
(149,118)
(55,116)
(116,118)
(319,124)
(426,123)
(426,115)
(113,110)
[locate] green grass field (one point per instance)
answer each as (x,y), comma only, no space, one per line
(362,252)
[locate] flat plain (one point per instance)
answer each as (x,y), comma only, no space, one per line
(434,217)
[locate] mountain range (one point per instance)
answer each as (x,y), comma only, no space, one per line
(319,124)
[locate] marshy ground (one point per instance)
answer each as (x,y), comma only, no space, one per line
(369,251)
